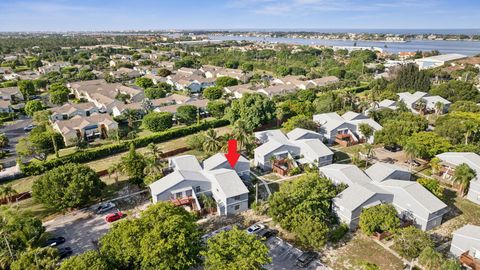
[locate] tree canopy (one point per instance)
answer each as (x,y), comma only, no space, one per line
(253,109)
(187,114)
(157,121)
(67,186)
(33,106)
(235,249)
(303,207)
(426,145)
(379,218)
(213,92)
(410,242)
(226,81)
(164,237)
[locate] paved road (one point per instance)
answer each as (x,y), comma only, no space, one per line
(14,132)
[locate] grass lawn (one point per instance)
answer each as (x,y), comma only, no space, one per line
(359,250)
(463,212)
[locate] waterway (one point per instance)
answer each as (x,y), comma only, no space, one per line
(443,46)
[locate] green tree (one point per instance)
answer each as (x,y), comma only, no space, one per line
(410,78)
(155,93)
(462,176)
(67,186)
(164,237)
(187,114)
(426,145)
(58,97)
(39,143)
(433,186)
(216,108)
(33,106)
(37,258)
(253,109)
(212,142)
(305,200)
(157,121)
(3,140)
(409,242)
(235,249)
(26,88)
(6,191)
(163,72)
(465,106)
(19,230)
(366,130)
(133,165)
(226,81)
(451,264)
(430,259)
(213,92)
(300,121)
(379,218)
(90,260)
(144,82)
(456,90)
(397,130)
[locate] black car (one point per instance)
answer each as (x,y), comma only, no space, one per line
(55,241)
(65,252)
(306,258)
(393,148)
(266,233)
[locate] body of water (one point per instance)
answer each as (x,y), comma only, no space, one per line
(443,46)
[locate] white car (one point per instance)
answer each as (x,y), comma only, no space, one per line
(255,228)
(104,207)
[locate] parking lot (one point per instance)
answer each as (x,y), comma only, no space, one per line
(284,256)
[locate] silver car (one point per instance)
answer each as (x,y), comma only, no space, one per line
(104,207)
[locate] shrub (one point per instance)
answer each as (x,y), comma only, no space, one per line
(433,186)
(158,121)
(379,218)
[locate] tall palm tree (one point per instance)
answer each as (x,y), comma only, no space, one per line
(279,114)
(7,191)
(241,133)
(439,107)
(462,176)
(435,165)
(212,142)
(369,153)
(421,106)
(132,116)
(154,151)
(470,128)
(114,169)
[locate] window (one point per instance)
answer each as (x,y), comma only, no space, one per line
(188,193)
(237,198)
(178,195)
(197,189)
(238,207)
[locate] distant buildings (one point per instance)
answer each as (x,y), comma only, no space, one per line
(438,60)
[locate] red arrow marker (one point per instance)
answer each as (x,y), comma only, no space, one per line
(232,155)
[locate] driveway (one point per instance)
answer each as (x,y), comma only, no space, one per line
(14,132)
(284,256)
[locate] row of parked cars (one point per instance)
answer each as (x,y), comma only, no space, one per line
(63,252)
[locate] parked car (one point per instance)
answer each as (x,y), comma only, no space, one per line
(266,233)
(413,162)
(306,258)
(104,207)
(54,241)
(28,128)
(65,252)
(392,148)
(254,228)
(114,216)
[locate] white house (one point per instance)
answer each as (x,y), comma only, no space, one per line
(438,60)
(383,183)
(466,240)
(345,128)
(301,145)
(189,180)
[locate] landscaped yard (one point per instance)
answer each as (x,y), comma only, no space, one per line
(463,212)
(360,250)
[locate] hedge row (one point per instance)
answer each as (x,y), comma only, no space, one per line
(36,168)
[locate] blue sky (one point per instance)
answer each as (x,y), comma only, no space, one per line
(62,15)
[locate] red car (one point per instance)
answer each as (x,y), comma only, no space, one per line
(114,216)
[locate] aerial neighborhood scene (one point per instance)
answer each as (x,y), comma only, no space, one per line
(239,134)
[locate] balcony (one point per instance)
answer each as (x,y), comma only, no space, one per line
(185,201)
(345,140)
(467,260)
(282,166)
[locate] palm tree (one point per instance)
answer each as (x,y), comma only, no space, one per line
(154,151)
(212,142)
(369,153)
(241,133)
(132,116)
(439,107)
(279,114)
(462,176)
(435,165)
(470,128)
(208,202)
(6,192)
(421,106)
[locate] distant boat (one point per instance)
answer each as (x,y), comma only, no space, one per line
(385,46)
